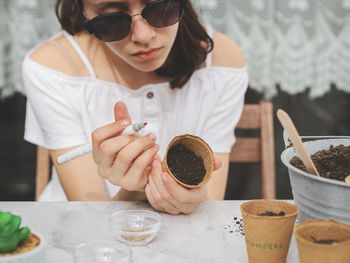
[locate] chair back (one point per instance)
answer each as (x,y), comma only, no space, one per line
(260,149)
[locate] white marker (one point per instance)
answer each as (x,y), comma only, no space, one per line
(84,149)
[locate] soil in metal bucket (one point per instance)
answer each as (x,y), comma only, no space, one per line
(333,163)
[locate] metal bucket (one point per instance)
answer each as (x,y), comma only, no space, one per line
(318,197)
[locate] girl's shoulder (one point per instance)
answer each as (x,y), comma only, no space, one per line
(58,54)
(226,52)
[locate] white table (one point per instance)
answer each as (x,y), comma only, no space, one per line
(209,234)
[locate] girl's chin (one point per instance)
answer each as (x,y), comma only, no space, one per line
(149,66)
(147,69)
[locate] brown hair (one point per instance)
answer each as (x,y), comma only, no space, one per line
(186,55)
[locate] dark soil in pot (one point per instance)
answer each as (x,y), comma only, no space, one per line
(185,165)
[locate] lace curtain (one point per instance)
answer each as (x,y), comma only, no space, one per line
(298,44)
(23,25)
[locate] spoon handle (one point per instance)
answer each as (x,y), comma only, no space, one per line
(347,179)
(293,134)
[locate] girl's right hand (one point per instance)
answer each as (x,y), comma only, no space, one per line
(124,160)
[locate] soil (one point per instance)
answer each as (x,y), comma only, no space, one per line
(134,238)
(185,165)
(236,227)
(324,241)
(270,213)
(333,163)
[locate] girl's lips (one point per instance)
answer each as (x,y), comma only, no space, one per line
(148,54)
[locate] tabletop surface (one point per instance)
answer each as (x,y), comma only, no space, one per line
(211,233)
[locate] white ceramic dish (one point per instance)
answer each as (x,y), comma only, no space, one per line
(36,255)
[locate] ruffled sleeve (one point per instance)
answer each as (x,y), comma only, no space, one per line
(218,131)
(52,120)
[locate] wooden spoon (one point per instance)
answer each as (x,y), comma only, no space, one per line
(293,134)
(347,179)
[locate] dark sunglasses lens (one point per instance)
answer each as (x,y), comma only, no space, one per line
(111,28)
(163,13)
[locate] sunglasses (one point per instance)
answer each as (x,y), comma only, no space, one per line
(116,26)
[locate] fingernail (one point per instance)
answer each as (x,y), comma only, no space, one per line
(164,177)
(154,163)
(156,147)
(125,122)
(151,136)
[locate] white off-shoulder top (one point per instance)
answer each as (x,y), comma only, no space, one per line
(63,110)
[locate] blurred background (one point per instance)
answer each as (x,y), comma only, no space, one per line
(297,53)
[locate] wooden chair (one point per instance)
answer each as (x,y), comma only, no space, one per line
(258,150)
(245,150)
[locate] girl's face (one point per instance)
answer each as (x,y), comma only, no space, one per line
(145,48)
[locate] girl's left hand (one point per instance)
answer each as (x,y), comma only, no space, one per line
(166,195)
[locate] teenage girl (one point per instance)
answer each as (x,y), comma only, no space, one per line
(119,62)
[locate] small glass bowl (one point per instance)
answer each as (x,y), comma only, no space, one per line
(135,227)
(102,251)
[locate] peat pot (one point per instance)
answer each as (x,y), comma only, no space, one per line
(318,197)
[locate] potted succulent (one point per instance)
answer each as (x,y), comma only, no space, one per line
(19,244)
